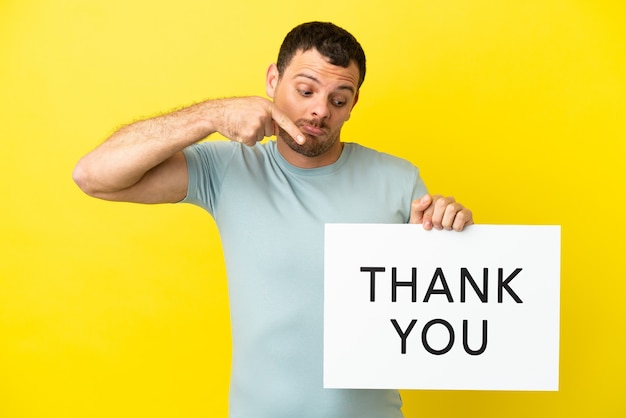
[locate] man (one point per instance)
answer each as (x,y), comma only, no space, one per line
(270,202)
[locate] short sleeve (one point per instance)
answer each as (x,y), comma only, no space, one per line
(207,164)
(419,188)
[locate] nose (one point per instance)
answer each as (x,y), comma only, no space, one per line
(320,109)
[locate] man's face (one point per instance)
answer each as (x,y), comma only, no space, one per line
(317,96)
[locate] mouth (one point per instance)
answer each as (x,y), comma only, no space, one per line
(312,130)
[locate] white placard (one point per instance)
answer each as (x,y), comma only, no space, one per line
(406,308)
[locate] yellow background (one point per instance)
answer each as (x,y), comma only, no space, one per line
(517,108)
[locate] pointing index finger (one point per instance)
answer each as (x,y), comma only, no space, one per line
(284,122)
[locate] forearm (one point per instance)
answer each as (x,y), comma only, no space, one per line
(123,159)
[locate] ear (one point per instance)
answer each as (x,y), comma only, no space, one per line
(271,80)
(356,99)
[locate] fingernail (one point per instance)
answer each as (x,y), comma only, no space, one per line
(300,139)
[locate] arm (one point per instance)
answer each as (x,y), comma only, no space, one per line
(440,212)
(143,162)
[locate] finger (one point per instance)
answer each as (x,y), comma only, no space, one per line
(462,219)
(284,122)
(452,211)
(429,213)
(418,206)
(269,128)
(439,206)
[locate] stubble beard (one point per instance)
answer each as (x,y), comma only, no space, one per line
(313,146)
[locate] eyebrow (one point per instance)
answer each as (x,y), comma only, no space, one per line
(313,78)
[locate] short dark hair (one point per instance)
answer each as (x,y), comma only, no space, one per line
(333,42)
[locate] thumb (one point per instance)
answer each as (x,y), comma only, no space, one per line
(418,206)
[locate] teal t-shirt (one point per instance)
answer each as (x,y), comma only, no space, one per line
(271,218)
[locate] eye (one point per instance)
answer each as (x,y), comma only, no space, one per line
(305,93)
(338,102)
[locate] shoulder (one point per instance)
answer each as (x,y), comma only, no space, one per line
(370,157)
(225,149)
(211,147)
(221,157)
